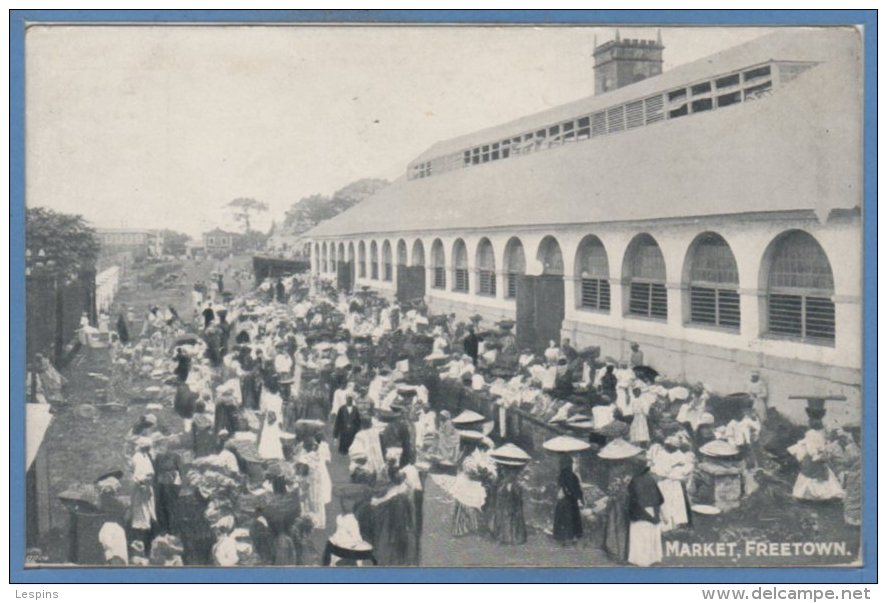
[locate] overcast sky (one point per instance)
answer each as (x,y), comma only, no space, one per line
(159,127)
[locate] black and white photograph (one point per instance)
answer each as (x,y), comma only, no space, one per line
(472,296)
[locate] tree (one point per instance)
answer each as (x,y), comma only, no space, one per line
(174,242)
(244,207)
(65,240)
(308,212)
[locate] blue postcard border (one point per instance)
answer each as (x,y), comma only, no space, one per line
(19,19)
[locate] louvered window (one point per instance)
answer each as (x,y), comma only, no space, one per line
(511,285)
(714,284)
(593,272)
(596,294)
(653,108)
(648,299)
(615,119)
(460,267)
(634,114)
(461,280)
(515,265)
(486,282)
(800,291)
(648,296)
(438,266)
(486,269)
(386,261)
(599,124)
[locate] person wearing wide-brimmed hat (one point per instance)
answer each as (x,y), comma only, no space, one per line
(567,527)
(619,455)
(507,524)
(446,442)
(644,505)
(470,491)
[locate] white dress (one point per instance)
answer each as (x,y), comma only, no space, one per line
(811,449)
(270,446)
(645,542)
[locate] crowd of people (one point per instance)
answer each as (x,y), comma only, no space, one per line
(261,380)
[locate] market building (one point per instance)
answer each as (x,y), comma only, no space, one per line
(711,213)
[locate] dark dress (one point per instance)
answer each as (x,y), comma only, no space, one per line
(208,316)
(204,436)
(122,329)
(394,538)
(616,521)
(183,367)
(471,345)
(184,401)
(397,435)
(168,471)
(567,521)
(508,512)
(608,386)
(346,427)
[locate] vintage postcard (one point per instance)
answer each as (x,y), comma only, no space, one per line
(469,295)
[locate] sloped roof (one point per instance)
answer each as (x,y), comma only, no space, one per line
(798,149)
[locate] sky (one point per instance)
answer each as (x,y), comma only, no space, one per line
(161,126)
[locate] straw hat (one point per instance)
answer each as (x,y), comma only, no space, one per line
(471,436)
(565,444)
(510,452)
(719,448)
(619,449)
(468,416)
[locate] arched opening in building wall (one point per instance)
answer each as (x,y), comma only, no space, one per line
(644,275)
(316,258)
(418,255)
(712,283)
(362,259)
(324,259)
(438,265)
(592,275)
(341,255)
(550,256)
(486,268)
(800,289)
(387,267)
(411,275)
(333,258)
(374,261)
(539,302)
(346,280)
(460,266)
(515,266)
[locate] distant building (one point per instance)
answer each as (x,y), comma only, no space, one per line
(619,62)
(140,243)
(220,242)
